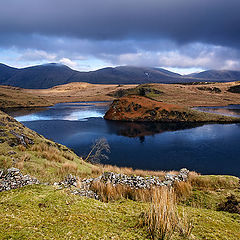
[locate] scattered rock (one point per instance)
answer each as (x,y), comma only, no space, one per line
(82,190)
(11,152)
(12,178)
(85,193)
(67,182)
(22,139)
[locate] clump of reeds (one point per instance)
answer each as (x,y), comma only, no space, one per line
(52,153)
(182,190)
(185,225)
(108,192)
(68,156)
(24,158)
(69,167)
(21,148)
(19,165)
(48,152)
(162,219)
(40,147)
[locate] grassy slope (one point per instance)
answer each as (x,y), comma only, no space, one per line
(41,212)
(44,159)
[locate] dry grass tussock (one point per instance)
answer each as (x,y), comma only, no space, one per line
(182,190)
(68,156)
(21,148)
(162,219)
(50,153)
(41,147)
(53,153)
(108,192)
(23,158)
(69,167)
(20,165)
(52,156)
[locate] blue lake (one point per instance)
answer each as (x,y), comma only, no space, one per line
(208,149)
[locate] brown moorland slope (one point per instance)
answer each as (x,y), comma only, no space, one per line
(13,97)
(18,97)
(210,94)
(191,95)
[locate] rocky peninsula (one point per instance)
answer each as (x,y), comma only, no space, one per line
(142,109)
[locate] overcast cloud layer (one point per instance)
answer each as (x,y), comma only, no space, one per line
(201,34)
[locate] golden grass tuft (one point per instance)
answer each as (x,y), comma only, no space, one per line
(162,219)
(108,192)
(69,167)
(20,165)
(25,157)
(4,162)
(52,156)
(182,190)
(41,147)
(185,225)
(68,156)
(21,148)
(52,153)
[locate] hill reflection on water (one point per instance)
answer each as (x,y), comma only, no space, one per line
(142,129)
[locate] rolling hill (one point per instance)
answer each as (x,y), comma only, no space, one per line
(52,74)
(218,75)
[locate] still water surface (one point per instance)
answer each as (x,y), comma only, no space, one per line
(208,149)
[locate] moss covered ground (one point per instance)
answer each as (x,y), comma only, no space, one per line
(42,212)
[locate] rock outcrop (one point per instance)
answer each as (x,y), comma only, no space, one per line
(142,109)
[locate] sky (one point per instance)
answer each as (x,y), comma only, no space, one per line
(180,35)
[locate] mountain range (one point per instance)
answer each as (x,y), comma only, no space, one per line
(52,74)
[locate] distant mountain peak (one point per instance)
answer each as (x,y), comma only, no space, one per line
(53,74)
(54,64)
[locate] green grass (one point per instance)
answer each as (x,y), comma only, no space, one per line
(42,212)
(210,224)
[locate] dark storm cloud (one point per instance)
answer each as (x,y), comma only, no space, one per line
(183,21)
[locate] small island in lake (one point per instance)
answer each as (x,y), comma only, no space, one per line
(142,109)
